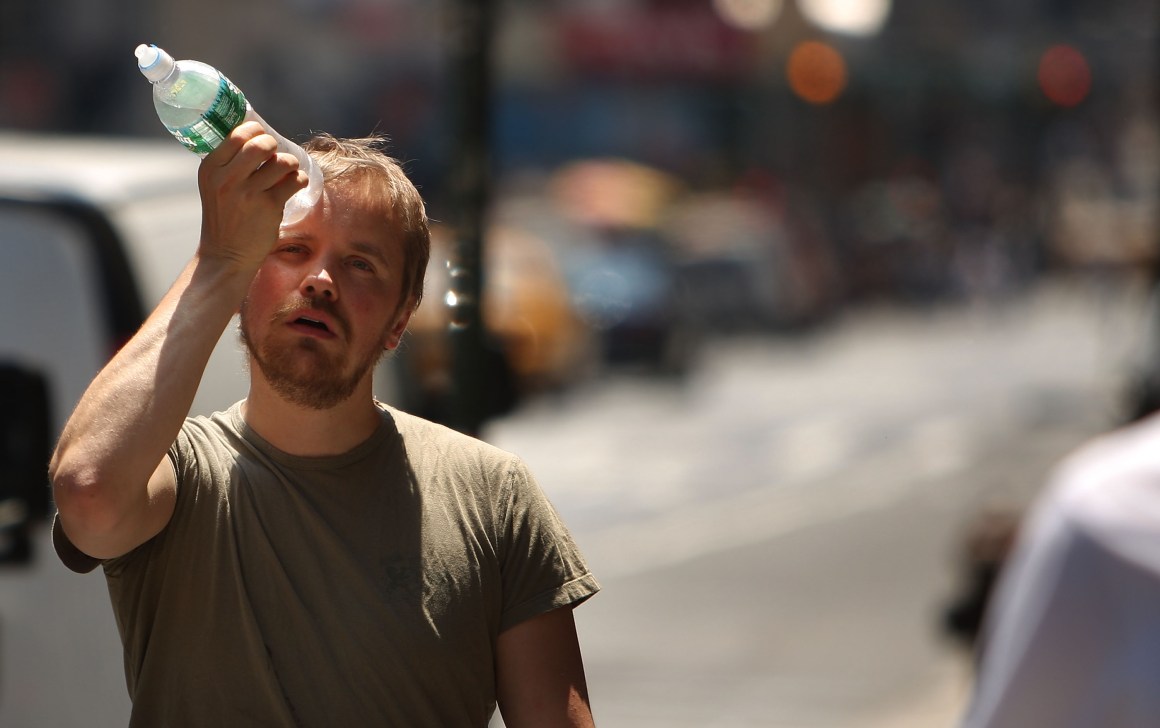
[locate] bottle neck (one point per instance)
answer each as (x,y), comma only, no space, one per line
(168,78)
(155,64)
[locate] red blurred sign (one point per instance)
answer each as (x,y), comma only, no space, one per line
(681,43)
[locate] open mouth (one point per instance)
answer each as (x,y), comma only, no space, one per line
(312,323)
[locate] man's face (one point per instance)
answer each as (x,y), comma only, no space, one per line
(326,303)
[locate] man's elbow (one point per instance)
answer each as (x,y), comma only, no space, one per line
(89,511)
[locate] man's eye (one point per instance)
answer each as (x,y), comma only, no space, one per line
(362,265)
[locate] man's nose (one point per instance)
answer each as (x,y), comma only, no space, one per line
(319,283)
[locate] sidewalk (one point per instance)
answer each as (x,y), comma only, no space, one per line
(938,705)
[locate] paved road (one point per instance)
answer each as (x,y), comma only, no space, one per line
(777,537)
(774,535)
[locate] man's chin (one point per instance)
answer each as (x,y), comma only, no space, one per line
(313,390)
(308,373)
(304,375)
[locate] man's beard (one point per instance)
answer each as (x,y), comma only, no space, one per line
(303,372)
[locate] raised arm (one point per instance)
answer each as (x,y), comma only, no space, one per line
(540,674)
(112,483)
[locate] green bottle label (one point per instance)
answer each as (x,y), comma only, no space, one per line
(226,112)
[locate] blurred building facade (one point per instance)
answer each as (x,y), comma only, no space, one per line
(928,159)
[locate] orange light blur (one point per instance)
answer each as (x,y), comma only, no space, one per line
(1064,75)
(816,72)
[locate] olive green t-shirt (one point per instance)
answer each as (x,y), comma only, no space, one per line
(363,589)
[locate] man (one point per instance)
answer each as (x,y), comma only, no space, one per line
(311,557)
(1072,636)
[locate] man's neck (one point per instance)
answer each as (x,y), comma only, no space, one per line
(305,431)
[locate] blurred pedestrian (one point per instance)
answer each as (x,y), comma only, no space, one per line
(311,557)
(986,546)
(1072,635)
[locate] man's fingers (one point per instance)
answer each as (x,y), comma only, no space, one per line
(246,149)
(243,192)
(255,152)
(288,185)
(275,170)
(255,163)
(233,143)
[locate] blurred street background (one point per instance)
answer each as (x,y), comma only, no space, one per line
(791,305)
(778,536)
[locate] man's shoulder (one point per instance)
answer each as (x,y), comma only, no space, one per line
(423,434)
(202,434)
(440,457)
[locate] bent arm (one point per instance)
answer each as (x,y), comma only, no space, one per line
(540,674)
(112,483)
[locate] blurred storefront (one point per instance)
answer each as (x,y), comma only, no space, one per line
(911,151)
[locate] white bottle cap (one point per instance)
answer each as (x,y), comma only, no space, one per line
(154,63)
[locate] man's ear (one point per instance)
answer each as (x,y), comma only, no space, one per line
(400,326)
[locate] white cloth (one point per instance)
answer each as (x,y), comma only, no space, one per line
(1072,638)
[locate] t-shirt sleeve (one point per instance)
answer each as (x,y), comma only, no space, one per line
(77,560)
(542,568)
(182,460)
(69,555)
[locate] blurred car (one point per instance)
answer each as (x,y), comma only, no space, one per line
(628,287)
(535,340)
(744,267)
(621,264)
(578,276)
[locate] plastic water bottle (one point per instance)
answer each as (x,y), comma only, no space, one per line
(200,107)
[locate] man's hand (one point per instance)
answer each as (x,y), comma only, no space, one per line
(244,186)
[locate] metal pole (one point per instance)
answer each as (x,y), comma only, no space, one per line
(470,32)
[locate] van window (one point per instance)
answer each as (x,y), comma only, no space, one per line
(53,320)
(24,453)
